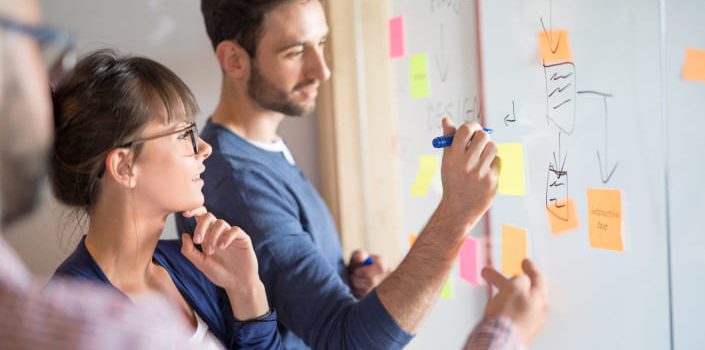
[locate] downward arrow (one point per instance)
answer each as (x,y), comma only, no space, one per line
(606,171)
(442,63)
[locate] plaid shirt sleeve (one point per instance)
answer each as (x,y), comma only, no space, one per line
(78,315)
(495,333)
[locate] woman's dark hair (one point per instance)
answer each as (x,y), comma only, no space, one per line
(107,102)
(239,20)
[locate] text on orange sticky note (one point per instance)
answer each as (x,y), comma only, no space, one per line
(554,46)
(513,249)
(562,216)
(694,67)
(605,219)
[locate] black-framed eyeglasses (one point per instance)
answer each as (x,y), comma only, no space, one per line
(58,48)
(191,131)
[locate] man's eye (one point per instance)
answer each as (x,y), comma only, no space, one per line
(185,135)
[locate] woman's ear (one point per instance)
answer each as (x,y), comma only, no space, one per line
(119,165)
(233,59)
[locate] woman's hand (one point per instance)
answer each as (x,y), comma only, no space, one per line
(228,260)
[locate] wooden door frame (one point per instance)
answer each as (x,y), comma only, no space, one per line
(357,122)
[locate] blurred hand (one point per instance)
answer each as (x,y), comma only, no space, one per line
(364,278)
(522,299)
(469,172)
(228,260)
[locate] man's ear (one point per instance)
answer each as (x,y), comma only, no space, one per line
(119,165)
(233,59)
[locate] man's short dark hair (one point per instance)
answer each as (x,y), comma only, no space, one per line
(239,20)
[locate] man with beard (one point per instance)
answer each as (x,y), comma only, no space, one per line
(271,56)
(64,315)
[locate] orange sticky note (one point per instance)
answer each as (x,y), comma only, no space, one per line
(513,249)
(694,67)
(605,218)
(554,46)
(412,239)
(562,216)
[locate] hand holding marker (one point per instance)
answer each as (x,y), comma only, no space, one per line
(445,141)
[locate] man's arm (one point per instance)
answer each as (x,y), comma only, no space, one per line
(470,172)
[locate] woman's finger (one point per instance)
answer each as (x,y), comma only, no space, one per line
(218,227)
(194,212)
(203,224)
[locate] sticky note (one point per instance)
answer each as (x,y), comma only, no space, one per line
(427,167)
(396,37)
(605,219)
(418,75)
(554,46)
(412,239)
(472,260)
(448,291)
(567,221)
(513,249)
(694,67)
(436,181)
(511,175)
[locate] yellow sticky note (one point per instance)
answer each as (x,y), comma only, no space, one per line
(418,75)
(511,175)
(554,46)
(605,219)
(694,67)
(427,167)
(412,239)
(513,249)
(448,291)
(562,216)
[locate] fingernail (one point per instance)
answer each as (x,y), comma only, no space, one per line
(211,250)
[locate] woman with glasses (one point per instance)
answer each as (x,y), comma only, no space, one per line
(127,154)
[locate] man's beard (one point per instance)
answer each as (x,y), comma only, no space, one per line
(272,98)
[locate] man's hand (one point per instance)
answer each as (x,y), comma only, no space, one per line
(469,173)
(521,299)
(364,278)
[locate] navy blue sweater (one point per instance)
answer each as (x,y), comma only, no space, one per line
(297,246)
(208,300)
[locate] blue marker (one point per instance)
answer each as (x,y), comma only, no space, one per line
(368,261)
(445,141)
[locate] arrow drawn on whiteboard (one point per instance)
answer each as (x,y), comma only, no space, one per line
(605,171)
(442,63)
(549,33)
(513,118)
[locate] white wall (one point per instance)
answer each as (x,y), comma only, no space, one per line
(171,32)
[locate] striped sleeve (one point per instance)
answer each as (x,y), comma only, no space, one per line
(78,315)
(494,334)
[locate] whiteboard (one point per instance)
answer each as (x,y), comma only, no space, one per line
(620,132)
(445,31)
(684,112)
(607,135)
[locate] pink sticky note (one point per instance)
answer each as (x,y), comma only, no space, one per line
(472,259)
(396,37)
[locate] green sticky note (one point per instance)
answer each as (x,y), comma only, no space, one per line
(511,176)
(418,75)
(427,168)
(448,291)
